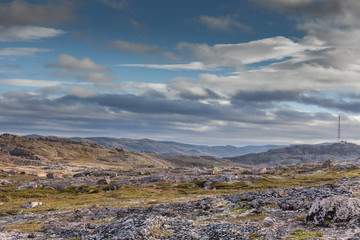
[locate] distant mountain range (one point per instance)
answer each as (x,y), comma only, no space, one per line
(301,154)
(175,148)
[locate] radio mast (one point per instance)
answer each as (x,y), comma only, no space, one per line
(339,135)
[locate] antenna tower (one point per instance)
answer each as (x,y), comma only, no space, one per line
(339,135)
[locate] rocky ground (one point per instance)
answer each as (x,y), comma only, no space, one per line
(314,201)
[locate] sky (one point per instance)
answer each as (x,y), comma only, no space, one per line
(237,72)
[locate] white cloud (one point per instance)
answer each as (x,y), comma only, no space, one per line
(329,12)
(85,70)
(54,90)
(236,55)
(223,23)
(79,91)
(30,83)
(68,62)
(329,20)
(142,86)
(21,51)
(188,87)
(17,95)
(27,33)
(175,67)
(99,79)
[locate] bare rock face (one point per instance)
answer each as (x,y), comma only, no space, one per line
(325,211)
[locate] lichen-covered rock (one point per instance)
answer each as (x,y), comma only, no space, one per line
(31,204)
(226,231)
(328,163)
(76,175)
(31,185)
(104,181)
(292,204)
(268,222)
(61,187)
(142,226)
(355,237)
(52,175)
(325,211)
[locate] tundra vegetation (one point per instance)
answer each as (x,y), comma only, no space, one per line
(59,189)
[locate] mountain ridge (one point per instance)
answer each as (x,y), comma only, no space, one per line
(175,148)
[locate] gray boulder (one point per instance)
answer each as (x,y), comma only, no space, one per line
(52,175)
(104,181)
(292,204)
(31,185)
(31,204)
(268,222)
(335,209)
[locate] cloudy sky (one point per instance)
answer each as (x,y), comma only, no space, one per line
(239,72)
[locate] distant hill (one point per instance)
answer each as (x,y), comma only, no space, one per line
(175,148)
(40,150)
(301,154)
(51,150)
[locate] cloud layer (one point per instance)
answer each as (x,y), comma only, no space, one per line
(21,51)
(273,89)
(27,33)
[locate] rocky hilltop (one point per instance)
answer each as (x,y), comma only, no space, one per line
(39,152)
(299,154)
(47,151)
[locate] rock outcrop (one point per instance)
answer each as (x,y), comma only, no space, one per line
(335,209)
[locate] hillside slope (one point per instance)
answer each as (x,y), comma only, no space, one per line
(46,150)
(39,151)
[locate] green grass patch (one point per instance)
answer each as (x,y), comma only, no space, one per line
(254,236)
(239,210)
(26,227)
(252,216)
(300,234)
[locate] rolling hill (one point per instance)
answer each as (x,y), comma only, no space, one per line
(48,151)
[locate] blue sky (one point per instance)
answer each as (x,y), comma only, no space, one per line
(245,72)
